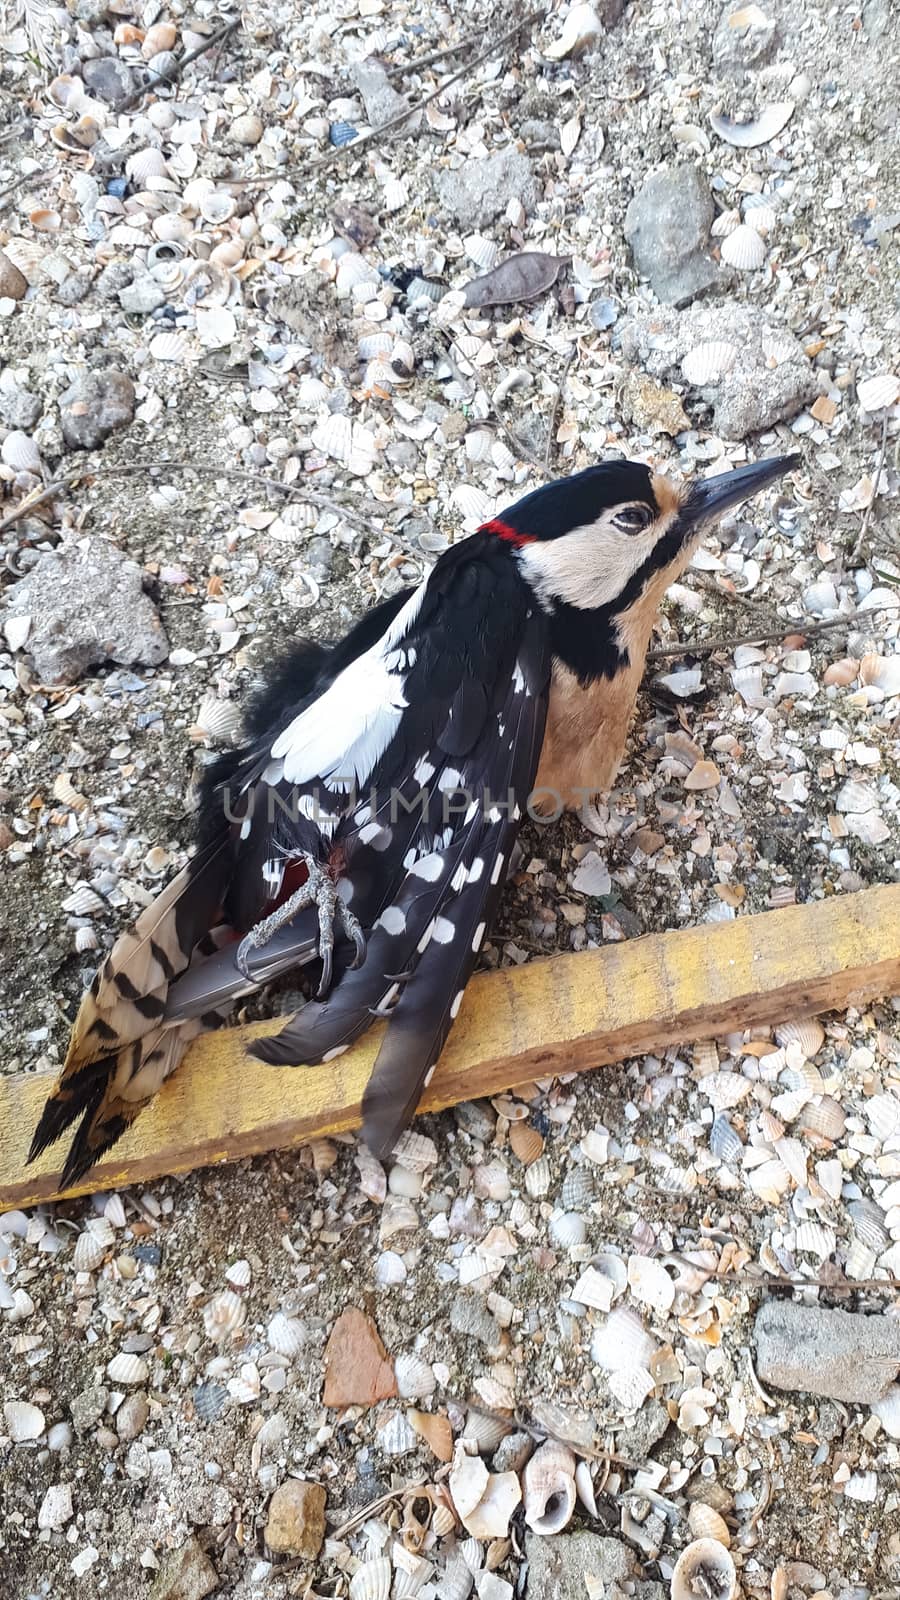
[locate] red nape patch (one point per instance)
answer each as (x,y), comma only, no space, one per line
(504,531)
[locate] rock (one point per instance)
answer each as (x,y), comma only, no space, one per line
(88,1407)
(512,1452)
(247,128)
(56,1507)
(19,408)
(735,50)
(649,1426)
(131,1417)
(142,296)
(88,606)
(109,79)
(357,1369)
(754,392)
(381,99)
(842,1355)
(651,407)
(187,1575)
(667,226)
(23,1421)
(561,1565)
(13,283)
(479,191)
(470,1316)
(94,406)
(319,558)
(296,1522)
(75,287)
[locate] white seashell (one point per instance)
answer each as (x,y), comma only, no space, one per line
(239,1274)
(882,1113)
(690,136)
(66,793)
(537,1178)
(245,1388)
(169,346)
(614,1268)
(584,1485)
(114,1211)
(475,506)
(823,1116)
(881,672)
(148,163)
(20,452)
(219,719)
(594,1290)
(490,1518)
(484,1431)
(128,1369)
(492,1181)
(725,223)
(549,1488)
(808,1035)
(372,1581)
(171,229)
(705,1523)
(396,194)
(66,92)
(581,27)
(760,214)
(85,939)
(223,1315)
(650,1283)
(816,1239)
(743,248)
(413,1572)
(415,1151)
(704,1571)
(468,1481)
(622,1342)
(353,270)
(370,345)
(709,363)
(24,1422)
(396,1437)
(403,358)
(217,207)
(472,1555)
(286,1335)
(887,1410)
(779,350)
(483,252)
(749,135)
(83,902)
(477,445)
(568,1229)
(415,1378)
(860,1261)
(88,1253)
(334,437)
(875,394)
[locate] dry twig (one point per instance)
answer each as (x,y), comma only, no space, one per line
(867,514)
(708,647)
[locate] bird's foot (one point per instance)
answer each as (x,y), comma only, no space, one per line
(318,890)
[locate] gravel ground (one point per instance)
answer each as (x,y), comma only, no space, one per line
(208,277)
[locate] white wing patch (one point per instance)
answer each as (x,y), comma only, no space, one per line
(342,736)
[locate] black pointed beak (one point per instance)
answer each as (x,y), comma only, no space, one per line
(712,497)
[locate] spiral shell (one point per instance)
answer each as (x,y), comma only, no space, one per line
(223,1315)
(415,1378)
(549,1488)
(743,248)
(128,1369)
(704,1571)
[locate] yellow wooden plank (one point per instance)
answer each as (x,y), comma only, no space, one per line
(567,1013)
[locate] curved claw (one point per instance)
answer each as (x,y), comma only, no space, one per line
(242,958)
(359,947)
(327,973)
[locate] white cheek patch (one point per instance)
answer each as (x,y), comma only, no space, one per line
(587,568)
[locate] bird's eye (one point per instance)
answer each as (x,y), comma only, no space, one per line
(633,519)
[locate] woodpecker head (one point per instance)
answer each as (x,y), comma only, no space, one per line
(601,547)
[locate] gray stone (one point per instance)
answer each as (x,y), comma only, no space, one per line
(667,226)
(559,1566)
(479,191)
(842,1355)
(649,1426)
(109,79)
(94,406)
(87,605)
(75,287)
(88,1407)
(752,395)
(13,283)
(512,1452)
(187,1575)
(737,50)
(470,1316)
(142,296)
(114,278)
(381,99)
(319,558)
(131,1417)
(19,408)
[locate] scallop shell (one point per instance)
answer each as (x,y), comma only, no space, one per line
(549,1488)
(492,1181)
(353,270)
(238,1274)
(704,1571)
(88,1253)
(808,1035)
(85,939)
(869,1224)
(169,346)
(725,223)
(567,1229)
(705,1523)
(816,1239)
(578,1189)
(882,1113)
(413,1573)
(482,252)
(223,1315)
(594,1289)
(881,672)
(285,1334)
(334,437)
(370,346)
(443,1521)
(875,394)
(724,1142)
(218,719)
(743,248)
(537,1178)
(823,1116)
(708,363)
(622,1342)
(415,1378)
(372,1581)
(860,1261)
(749,135)
(66,793)
(83,902)
(396,194)
(485,1431)
(475,506)
(477,445)
(457,1581)
(20,452)
(396,1437)
(472,1554)
(147,163)
(526,1142)
(44,220)
(114,1211)
(128,1369)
